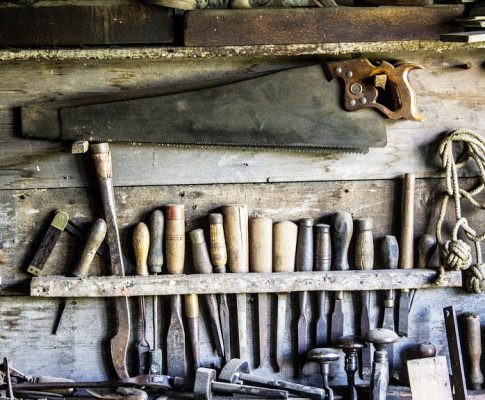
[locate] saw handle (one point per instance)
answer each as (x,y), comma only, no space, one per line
(155,256)
(237,241)
(261,245)
(284,246)
(141,244)
(218,250)
(175,238)
(95,238)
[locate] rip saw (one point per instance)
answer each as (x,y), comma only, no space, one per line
(291,109)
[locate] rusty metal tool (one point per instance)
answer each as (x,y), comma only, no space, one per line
(175,256)
(284,251)
(141,245)
(351,345)
(390,259)
(237,371)
(205,385)
(261,260)
(191,302)
(236,233)
(473,345)
(364,260)
(323,262)
(324,357)
(407,249)
(303,263)
(156,225)
(342,229)
(48,242)
(203,265)
(101,155)
(218,253)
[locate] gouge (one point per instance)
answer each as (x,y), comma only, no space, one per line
(364,260)
(407,252)
(303,263)
(261,260)
(119,343)
(323,261)
(236,231)
(192,311)
(141,245)
(203,265)
(343,229)
(473,345)
(218,254)
(284,251)
(175,254)
(156,225)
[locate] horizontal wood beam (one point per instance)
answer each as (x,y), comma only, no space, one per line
(162,285)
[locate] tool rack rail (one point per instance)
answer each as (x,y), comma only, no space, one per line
(162,285)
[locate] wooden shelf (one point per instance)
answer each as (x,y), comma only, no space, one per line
(162,285)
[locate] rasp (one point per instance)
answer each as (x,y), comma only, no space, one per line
(295,108)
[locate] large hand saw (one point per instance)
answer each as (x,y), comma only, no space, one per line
(296,108)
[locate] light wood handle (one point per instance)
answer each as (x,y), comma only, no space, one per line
(218,249)
(474,349)
(343,228)
(141,244)
(407,222)
(261,245)
(364,244)
(426,248)
(95,238)
(191,305)
(236,232)
(284,246)
(200,253)
(156,225)
(323,248)
(175,238)
(304,246)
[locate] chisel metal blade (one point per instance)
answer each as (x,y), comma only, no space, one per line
(366,367)
(404,300)
(176,361)
(263,306)
(302,332)
(225,326)
(280,328)
(215,325)
(321,325)
(242,325)
(337,325)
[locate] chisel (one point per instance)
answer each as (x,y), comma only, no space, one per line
(191,302)
(342,229)
(364,260)
(284,251)
(323,262)
(261,260)
(175,257)
(303,263)
(390,258)
(156,225)
(236,231)
(407,252)
(203,265)
(218,253)
(141,244)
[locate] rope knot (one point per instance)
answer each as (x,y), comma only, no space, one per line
(475,281)
(456,255)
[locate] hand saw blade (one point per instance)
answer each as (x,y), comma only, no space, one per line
(295,108)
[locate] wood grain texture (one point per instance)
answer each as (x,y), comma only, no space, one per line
(429,379)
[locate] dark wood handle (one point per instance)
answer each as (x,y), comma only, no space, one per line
(390,252)
(284,246)
(95,238)
(364,244)
(342,229)
(426,248)
(156,226)
(236,232)
(200,253)
(474,349)
(261,245)
(218,251)
(175,238)
(141,244)
(407,221)
(304,246)
(323,248)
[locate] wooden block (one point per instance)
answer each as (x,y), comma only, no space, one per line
(318,25)
(429,379)
(466,37)
(72,23)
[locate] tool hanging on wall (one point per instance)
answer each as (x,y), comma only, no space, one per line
(323,262)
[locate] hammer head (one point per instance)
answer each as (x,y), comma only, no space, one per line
(232,370)
(203,383)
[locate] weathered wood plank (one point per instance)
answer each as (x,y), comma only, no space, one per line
(318,25)
(466,37)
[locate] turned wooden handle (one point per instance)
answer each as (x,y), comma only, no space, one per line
(191,302)
(95,238)
(323,248)
(426,248)
(156,225)
(390,252)
(474,349)
(141,245)
(407,221)
(343,228)
(200,253)
(175,238)
(218,249)
(261,245)
(236,232)
(284,246)
(364,244)
(304,246)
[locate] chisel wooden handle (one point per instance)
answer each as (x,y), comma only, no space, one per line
(323,248)
(175,238)
(390,259)
(141,245)
(304,248)
(95,238)
(156,225)
(261,245)
(407,224)
(218,248)
(200,253)
(284,246)
(236,231)
(342,229)
(474,349)
(426,248)
(364,244)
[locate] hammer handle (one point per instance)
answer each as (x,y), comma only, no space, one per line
(141,245)
(407,224)
(95,238)
(260,245)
